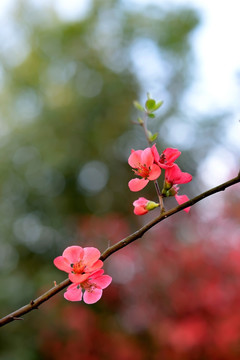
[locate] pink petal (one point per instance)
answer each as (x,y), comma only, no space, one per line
(97,265)
(78,278)
(185,178)
(155,153)
(91,297)
(91,255)
(135,158)
(140,202)
(62,264)
(181,199)
(147,157)
(171,155)
(103,281)
(155,172)
(96,274)
(140,206)
(138,210)
(73,293)
(137,184)
(174,175)
(73,254)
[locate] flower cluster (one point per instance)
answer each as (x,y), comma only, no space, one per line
(83,265)
(148,164)
(84,270)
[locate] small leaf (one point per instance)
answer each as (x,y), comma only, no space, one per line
(140,120)
(158,105)
(149,134)
(153,137)
(138,106)
(151,115)
(150,105)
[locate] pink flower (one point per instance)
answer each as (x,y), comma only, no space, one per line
(143,162)
(167,158)
(93,288)
(142,206)
(173,175)
(79,262)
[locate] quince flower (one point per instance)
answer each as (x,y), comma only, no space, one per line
(93,288)
(167,158)
(142,206)
(79,262)
(143,162)
(174,176)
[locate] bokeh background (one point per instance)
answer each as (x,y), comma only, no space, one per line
(68,79)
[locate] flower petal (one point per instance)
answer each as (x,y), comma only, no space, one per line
(62,264)
(96,274)
(91,255)
(103,281)
(171,155)
(174,175)
(73,293)
(181,199)
(155,153)
(138,210)
(147,157)
(78,278)
(73,254)
(140,202)
(95,266)
(137,184)
(139,206)
(92,296)
(135,158)
(155,172)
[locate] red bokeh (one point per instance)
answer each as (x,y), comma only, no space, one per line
(170,299)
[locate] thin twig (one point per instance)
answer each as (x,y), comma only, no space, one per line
(34,304)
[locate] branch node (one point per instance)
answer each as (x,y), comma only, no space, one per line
(16,318)
(31,302)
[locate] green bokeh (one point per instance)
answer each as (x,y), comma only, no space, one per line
(67,109)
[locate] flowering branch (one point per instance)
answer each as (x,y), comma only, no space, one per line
(34,304)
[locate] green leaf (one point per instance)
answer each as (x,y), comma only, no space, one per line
(149,134)
(140,120)
(153,137)
(151,115)
(138,106)
(150,105)
(158,105)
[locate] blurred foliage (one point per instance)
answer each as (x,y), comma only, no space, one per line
(66,133)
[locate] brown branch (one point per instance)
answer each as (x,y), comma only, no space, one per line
(34,304)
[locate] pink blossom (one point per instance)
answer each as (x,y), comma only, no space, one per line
(143,162)
(79,262)
(173,175)
(142,206)
(92,287)
(167,158)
